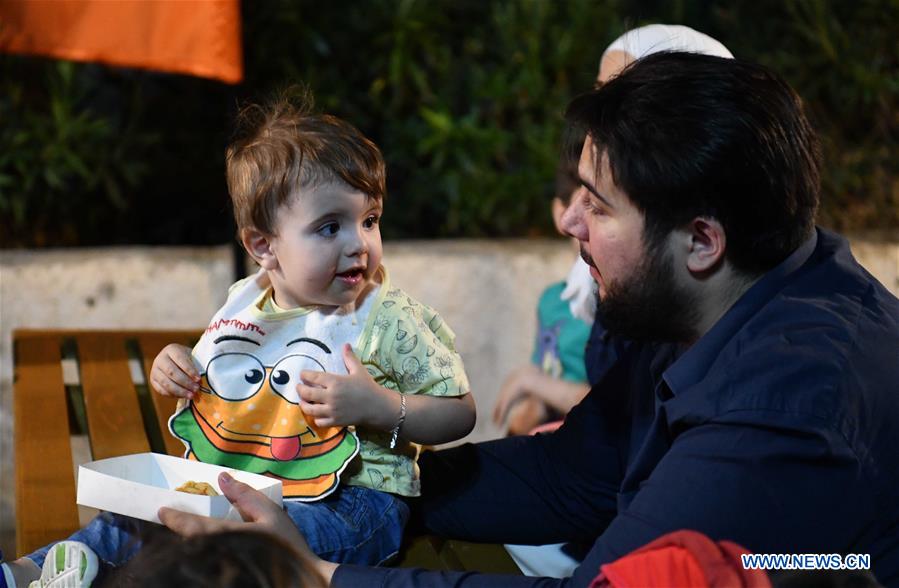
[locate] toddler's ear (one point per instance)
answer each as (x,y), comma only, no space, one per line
(259,246)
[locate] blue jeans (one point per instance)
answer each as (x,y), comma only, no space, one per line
(352,525)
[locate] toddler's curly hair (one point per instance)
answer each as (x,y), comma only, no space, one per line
(283,147)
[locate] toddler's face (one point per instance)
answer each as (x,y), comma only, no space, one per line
(328,247)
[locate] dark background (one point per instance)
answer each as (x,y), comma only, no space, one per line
(464,97)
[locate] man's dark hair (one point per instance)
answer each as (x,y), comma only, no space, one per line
(692,135)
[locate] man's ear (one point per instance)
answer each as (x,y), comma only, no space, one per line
(707,244)
(259,247)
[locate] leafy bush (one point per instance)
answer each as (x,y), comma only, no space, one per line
(465,98)
(843,58)
(93,156)
(61,163)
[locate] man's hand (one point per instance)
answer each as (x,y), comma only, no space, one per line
(174,373)
(258,513)
(354,399)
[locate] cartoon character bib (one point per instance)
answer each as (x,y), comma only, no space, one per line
(247,414)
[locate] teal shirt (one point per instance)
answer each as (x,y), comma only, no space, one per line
(561,337)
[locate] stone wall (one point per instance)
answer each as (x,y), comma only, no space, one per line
(485,290)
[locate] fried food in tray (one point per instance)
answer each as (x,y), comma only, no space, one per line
(192,487)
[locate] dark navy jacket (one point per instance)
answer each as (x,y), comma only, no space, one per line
(778,429)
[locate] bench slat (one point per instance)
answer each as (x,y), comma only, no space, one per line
(113,413)
(150,346)
(45,488)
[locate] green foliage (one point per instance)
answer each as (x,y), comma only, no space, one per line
(61,163)
(843,59)
(464,97)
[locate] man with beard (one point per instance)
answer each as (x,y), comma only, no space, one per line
(755,399)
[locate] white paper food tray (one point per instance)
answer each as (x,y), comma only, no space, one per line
(138,485)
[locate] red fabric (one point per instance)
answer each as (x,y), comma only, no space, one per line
(196,37)
(682,559)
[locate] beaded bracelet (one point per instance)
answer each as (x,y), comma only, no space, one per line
(396,430)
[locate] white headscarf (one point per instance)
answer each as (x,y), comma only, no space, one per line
(653,38)
(580,288)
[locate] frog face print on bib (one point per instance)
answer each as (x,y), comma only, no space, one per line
(247,415)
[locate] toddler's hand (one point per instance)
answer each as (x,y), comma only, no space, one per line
(174,373)
(334,400)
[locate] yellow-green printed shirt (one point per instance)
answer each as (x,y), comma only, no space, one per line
(405,346)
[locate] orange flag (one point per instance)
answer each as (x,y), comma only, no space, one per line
(195,37)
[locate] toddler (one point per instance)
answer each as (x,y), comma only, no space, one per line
(316,341)
(317,370)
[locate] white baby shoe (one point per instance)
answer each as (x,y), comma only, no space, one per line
(69,564)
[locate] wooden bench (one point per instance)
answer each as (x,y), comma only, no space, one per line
(95,384)
(118,413)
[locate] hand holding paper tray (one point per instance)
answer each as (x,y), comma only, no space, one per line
(138,485)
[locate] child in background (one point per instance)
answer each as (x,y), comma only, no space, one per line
(317,341)
(556,379)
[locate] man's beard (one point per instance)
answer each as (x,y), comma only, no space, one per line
(649,305)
